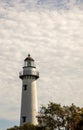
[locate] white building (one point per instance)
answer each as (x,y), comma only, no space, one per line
(29,107)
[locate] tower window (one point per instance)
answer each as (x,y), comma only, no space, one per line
(25,87)
(24,119)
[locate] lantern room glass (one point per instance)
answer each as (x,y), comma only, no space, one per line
(29,63)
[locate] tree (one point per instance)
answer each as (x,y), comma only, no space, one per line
(70,113)
(24,127)
(54,116)
(78,120)
(27,126)
(51,116)
(14,128)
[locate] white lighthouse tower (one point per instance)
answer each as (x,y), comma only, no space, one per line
(29,107)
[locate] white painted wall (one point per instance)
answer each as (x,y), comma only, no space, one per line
(29,101)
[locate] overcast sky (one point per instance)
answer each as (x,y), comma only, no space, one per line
(52,32)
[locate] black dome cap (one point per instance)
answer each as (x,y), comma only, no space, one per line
(29,58)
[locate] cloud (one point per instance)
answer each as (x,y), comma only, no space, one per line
(54,39)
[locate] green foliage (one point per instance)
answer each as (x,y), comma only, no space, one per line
(78,120)
(51,116)
(27,126)
(14,128)
(24,127)
(55,116)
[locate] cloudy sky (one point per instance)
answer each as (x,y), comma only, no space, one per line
(52,32)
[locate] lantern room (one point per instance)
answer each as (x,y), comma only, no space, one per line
(29,62)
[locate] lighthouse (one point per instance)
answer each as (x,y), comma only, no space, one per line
(29,107)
